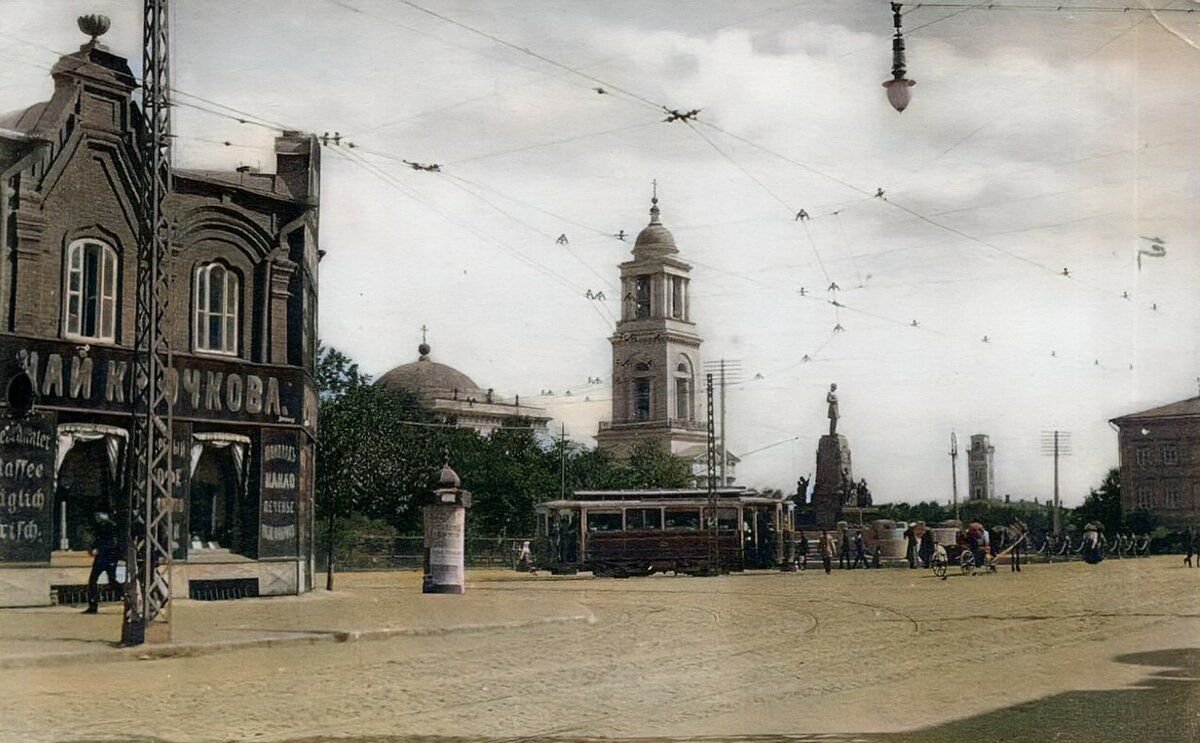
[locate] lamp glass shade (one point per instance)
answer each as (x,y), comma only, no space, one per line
(898,93)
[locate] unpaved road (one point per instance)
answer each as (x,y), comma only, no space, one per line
(1058,652)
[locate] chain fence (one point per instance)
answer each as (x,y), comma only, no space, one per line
(357,553)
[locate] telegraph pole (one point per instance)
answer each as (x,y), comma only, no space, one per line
(728,372)
(150,503)
(954,471)
(562,464)
(1056,444)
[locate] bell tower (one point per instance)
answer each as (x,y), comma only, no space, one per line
(655,350)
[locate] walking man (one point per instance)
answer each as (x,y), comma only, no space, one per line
(1189,545)
(825,548)
(104,560)
(1020,533)
(844,552)
(860,552)
(802,551)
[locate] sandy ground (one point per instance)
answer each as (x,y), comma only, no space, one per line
(1058,652)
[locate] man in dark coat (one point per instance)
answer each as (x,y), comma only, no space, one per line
(104,560)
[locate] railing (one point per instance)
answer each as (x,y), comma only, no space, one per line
(363,553)
(684,423)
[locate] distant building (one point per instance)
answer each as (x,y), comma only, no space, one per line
(445,390)
(656,355)
(1160,461)
(981,473)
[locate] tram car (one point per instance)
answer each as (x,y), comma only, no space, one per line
(623,533)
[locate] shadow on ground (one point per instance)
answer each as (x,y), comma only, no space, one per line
(1164,707)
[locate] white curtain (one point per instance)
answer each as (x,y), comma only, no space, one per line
(70,433)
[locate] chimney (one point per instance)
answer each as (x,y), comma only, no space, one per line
(298,164)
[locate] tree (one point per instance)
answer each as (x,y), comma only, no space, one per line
(1103,504)
(651,466)
(336,373)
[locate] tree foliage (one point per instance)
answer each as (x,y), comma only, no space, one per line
(379,450)
(1103,504)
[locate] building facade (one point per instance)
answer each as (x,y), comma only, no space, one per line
(981,472)
(655,351)
(241,318)
(446,391)
(1160,462)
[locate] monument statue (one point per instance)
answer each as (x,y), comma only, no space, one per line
(831,398)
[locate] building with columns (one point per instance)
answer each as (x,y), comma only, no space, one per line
(656,358)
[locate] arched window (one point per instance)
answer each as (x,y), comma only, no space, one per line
(685,408)
(91,295)
(216,309)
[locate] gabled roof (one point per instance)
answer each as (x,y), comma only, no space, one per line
(1183,409)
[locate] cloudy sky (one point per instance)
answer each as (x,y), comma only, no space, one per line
(1035,142)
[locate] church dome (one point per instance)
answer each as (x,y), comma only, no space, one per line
(427,378)
(655,236)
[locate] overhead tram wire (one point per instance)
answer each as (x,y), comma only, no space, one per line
(659,106)
(390,180)
(1052,7)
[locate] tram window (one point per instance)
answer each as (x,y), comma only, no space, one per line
(604,522)
(727,519)
(643,518)
(678,519)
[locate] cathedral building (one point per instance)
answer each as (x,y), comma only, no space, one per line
(452,395)
(656,353)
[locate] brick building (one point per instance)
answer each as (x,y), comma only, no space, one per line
(242,323)
(1160,461)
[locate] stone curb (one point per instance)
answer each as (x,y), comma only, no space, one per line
(196,649)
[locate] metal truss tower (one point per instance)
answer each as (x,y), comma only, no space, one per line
(148,551)
(714,545)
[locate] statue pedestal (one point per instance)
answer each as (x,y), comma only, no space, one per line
(834,477)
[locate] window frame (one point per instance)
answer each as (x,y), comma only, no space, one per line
(1170,454)
(203,314)
(106,291)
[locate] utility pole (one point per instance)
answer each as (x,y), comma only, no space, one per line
(1056,444)
(954,472)
(562,447)
(728,372)
(149,532)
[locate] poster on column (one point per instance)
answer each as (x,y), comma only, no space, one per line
(181,468)
(27,448)
(279,494)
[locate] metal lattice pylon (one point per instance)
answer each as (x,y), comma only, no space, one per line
(148,551)
(715,547)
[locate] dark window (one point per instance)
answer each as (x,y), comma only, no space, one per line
(641,291)
(643,518)
(603,522)
(1170,454)
(727,519)
(677,297)
(681,519)
(641,399)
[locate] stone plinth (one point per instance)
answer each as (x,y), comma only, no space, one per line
(833,479)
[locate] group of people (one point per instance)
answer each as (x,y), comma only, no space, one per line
(829,545)
(1095,546)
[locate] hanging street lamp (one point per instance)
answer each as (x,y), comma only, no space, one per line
(898,87)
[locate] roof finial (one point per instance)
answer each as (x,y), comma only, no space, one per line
(654,202)
(423,349)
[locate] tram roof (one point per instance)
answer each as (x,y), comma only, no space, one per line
(659,493)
